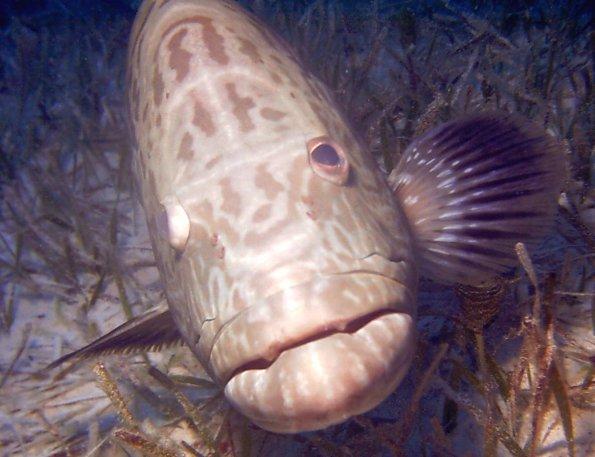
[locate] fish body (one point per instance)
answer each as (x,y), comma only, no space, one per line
(290,264)
(279,256)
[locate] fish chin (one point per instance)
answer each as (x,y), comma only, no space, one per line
(327,380)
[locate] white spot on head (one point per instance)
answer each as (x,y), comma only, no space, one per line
(174,225)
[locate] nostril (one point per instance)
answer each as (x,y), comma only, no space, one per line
(328,160)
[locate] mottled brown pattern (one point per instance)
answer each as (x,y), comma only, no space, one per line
(249,49)
(292,81)
(158,87)
(186,152)
(272,114)
(202,118)
(179,58)
(258,239)
(211,163)
(232,201)
(241,106)
(262,213)
(275,77)
(267,182)
(225,229)
(251,233)
(213,40)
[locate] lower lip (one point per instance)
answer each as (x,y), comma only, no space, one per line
(328,380)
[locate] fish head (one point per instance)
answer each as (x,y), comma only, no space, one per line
(324,329)
(287,264)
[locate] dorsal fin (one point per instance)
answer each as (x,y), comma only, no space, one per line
(474,187)
(152,330)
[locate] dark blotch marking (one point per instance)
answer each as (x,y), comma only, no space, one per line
(158,87)
(262,213)
(250,50)
(179,58)
(266,181)
(211,163)
(272,114)
(202,119)
(241,106)
(186,152)
(213,41)
(232,200)
(275,77)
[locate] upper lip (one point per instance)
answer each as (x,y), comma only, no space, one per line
(350,327)
(395,298)
(385,268)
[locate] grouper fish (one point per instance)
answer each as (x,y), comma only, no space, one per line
(290,262)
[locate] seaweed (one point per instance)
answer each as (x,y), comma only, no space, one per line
(503,367)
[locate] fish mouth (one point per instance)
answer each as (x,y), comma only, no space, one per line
(318,353)
(349,328)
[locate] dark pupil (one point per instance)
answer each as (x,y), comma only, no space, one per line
(325,154)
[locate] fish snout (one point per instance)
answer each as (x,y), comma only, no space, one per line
(318,353)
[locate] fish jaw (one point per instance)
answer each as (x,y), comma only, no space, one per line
(317,353)
(328,380)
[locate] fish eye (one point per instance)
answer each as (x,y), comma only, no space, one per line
(328,160)
(326,154)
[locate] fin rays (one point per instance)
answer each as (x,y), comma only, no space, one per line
(473,188)
(152,330)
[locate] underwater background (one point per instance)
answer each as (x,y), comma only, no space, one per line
(502,371)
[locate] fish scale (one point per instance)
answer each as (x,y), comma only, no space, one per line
(290,264)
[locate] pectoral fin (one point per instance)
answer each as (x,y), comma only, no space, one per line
(150,331)
(473,188)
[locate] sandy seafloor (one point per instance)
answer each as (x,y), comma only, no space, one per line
(75,257)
